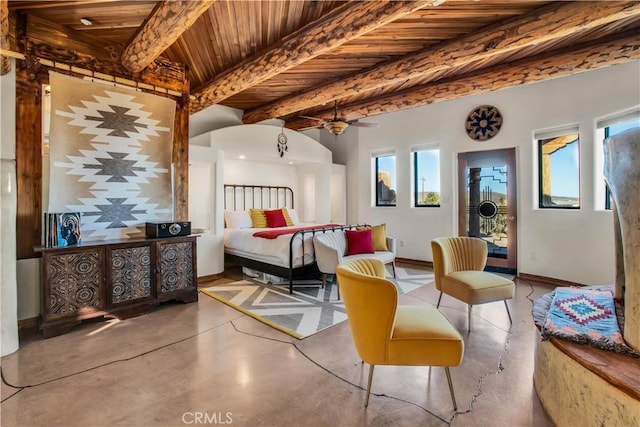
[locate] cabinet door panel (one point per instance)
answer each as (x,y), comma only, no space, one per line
(130,274)
(176,266)
(75,283)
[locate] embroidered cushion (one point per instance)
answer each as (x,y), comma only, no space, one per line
(359,242)
(585,316)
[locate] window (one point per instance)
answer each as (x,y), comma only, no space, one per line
(426,177)
(606,128)
(559,166)
(385,173)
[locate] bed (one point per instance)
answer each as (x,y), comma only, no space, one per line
(285,251)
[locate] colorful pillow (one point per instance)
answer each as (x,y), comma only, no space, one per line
(258,218)
(287,217)
(359,242)
(237,219)
(293,215)
(379,236)
(275,218)
(586,317)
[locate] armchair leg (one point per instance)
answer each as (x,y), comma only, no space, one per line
(508,312)
(393,266)
(324,279)
(338,288)
(469,319)
(453,395)
(366,401)
(439,298)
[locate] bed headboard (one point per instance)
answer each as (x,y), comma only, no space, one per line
(243,197)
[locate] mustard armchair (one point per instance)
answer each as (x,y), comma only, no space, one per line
(458,264)
(385,333)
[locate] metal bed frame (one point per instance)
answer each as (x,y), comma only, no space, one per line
(243,197)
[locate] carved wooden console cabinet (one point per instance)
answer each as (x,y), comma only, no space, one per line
(118,278)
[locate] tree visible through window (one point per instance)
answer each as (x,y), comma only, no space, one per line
(559,163)
(386,180)
(426,177)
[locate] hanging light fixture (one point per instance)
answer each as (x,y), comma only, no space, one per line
(336,128)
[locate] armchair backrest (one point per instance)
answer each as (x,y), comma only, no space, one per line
(452,254)
(371,302)
(330,247)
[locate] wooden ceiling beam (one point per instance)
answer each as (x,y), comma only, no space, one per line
(624,48)
(346,23)
(5,61)
(164,26)
(542,25)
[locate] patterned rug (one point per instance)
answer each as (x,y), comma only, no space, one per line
(310,309)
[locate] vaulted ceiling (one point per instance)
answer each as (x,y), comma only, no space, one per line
(290,58)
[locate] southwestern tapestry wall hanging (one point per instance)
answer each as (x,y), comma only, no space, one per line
(110,156)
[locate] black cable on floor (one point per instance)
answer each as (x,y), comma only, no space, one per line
(339,377)
(20,388)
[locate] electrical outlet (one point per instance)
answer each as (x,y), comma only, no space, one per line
(533,256)
(402,243)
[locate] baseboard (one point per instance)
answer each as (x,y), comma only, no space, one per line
(547,280)
(415,262)
(210,277)
(28,324)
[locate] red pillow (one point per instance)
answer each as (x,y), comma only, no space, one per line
(275,218)
(359,242)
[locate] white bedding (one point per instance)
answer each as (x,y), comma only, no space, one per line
(241,242)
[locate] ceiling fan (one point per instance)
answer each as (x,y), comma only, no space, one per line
(337,125)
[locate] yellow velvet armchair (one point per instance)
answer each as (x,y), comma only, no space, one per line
(385,333)
(458,264)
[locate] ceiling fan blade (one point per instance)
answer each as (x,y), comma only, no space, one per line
(313,118)
(365,125)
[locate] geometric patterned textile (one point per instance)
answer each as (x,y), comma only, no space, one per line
(110,156)
(310,309)
(585,316)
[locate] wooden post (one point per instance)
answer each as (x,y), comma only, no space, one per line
(5,62)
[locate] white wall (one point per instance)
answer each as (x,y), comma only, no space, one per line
(574,245)
(8,280)
(260,164)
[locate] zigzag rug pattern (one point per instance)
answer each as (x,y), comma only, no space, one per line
(310,309)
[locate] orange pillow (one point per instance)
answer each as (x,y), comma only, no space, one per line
(287,217)
(378,236)
(258,218)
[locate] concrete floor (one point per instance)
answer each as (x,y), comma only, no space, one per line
(206,364)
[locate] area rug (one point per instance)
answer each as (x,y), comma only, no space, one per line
(310,309)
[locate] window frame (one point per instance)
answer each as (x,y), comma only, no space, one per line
(540,142)
(376,170)
(416,203)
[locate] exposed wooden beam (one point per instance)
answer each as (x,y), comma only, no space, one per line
(346,23)
(624,48)
(164,26)
(5,62)
(542,25)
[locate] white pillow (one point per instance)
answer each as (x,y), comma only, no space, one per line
(237,219)
(293,215)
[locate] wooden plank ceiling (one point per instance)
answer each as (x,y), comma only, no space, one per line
(287,59)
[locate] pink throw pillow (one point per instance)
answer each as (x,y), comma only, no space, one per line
(359,242)
(275,218)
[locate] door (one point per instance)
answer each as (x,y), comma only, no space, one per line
(487,204)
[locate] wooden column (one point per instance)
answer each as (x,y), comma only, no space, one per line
(5,62)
